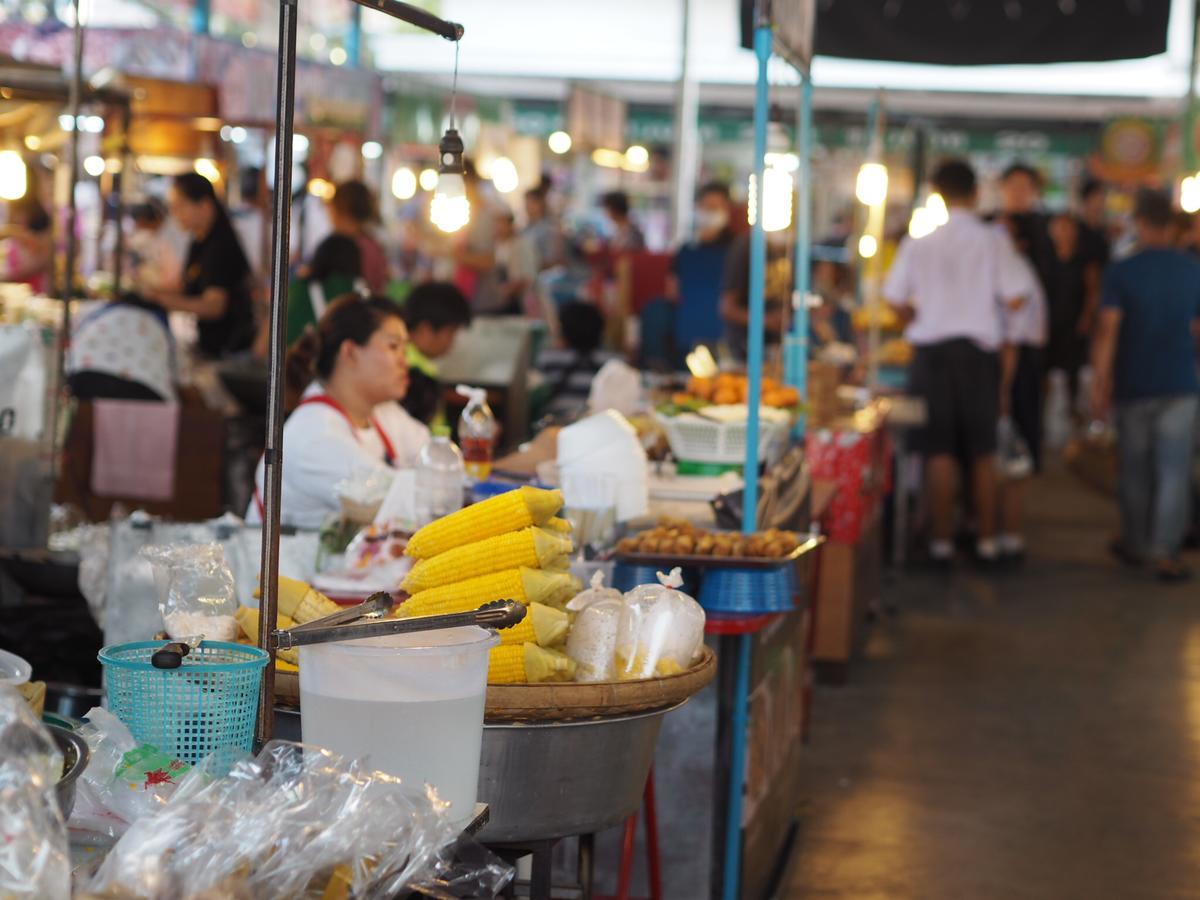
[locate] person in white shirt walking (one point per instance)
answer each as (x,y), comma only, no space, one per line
(952,288)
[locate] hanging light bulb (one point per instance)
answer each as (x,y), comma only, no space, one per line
(14,176)
(559,141)
(938,213)
(428,179)
(778,187)
(1189,194)
(872,184)
(450,209)
(867,246)
(504,175)
(404,183)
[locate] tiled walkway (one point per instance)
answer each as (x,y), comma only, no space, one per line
(1029,735)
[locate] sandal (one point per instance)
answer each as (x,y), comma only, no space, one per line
(1172,571)
(1119,549)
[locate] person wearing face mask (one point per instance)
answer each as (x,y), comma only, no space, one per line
(698,270)
(735,293)
(344,377)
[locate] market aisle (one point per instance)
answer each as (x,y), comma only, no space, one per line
(1035,735)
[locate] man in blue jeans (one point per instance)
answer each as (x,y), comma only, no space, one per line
(1144,357)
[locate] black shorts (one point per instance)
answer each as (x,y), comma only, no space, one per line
(1026,403)
(960,384)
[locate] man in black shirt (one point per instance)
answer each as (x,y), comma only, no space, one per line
(735,293)
(216,275)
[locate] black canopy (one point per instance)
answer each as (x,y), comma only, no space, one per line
(985,32)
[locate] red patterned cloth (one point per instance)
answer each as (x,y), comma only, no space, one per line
(859,463)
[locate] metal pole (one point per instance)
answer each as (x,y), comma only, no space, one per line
(202,17)
(796,350)
(74,100)
(687,137)
(873,268)
(119,192)
(354,37)
(1190,111)
(757,288)
(273,453)
(754,365)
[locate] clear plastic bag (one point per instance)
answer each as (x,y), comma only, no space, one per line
(289,824)
(661,630)
(33,839)
(199,598)
(363,494)
(593,640)
(124,781)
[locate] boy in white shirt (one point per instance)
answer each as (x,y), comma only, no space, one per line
(952,288)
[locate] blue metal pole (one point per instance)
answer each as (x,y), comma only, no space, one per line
(354,37)
(754,366)
(758,281)
(731,890)
(201,16)
(796,349)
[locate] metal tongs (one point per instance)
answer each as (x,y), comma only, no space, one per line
(345,625)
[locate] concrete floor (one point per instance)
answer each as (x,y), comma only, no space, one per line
(1029,735)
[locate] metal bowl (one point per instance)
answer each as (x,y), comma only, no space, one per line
(545,780)
(75,759)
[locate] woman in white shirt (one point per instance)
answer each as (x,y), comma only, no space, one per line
(347,374)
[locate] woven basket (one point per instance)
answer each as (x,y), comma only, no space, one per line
(566,701)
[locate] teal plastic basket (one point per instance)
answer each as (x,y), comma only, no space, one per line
(208,705)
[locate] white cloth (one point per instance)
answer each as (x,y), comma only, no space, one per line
(320,448)
(956,280)
(127,342)
(1027,324)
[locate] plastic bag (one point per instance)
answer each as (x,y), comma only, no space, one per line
(593,640)
(661,630)
(199,597)
(124,781)
(33,839)
(290,823)
(363,494)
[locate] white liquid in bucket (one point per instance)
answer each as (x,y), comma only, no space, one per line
(412,705)
(435,742)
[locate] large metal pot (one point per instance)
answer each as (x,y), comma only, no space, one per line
(75,759)
(552,779)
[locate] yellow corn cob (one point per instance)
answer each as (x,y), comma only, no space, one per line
(542,625)
(558,524)
(530,548)
(247,619)
(302,602)
(561,563)
(521,663)
(507,512)
(523,585)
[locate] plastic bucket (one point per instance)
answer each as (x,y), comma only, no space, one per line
(412,704)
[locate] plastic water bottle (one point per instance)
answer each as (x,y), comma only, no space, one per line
(477,432)
(440,473)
